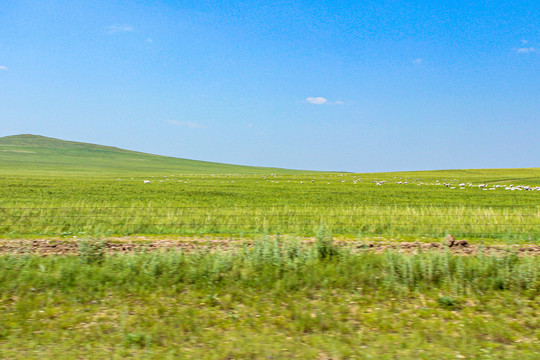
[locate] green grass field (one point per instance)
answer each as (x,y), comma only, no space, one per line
(42,156)
(278,298)
(51,187)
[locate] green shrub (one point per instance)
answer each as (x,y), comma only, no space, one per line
(448,302)
(91,251)
(326,248)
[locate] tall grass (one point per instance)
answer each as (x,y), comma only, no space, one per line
(517,223)
(273,261)
(254,204)
(278,298)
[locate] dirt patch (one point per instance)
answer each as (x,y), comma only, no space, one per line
(189,244)
(458,247)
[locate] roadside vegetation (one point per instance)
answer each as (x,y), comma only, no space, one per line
(275,299)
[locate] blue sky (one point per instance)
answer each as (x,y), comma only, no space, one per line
(327,85)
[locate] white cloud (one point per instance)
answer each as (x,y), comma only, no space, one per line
(316,100)
(149,41)
(188,124)
(321,101)
(418,61)
(3,67)
(524,41)
(119,28)
(526,50)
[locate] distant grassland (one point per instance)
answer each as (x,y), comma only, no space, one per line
(41,156)
(344,204)
(56,187)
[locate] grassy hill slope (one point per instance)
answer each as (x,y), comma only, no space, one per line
(33,155)
(52,187)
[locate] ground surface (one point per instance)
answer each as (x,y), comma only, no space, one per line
(266,300)
(234,293)
(134,244)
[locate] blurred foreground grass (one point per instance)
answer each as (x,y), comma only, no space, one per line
(276,299)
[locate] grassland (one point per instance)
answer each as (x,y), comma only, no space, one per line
(345,204)
(49,194)
(43,156)
(278,298)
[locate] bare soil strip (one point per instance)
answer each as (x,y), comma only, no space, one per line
(134,244)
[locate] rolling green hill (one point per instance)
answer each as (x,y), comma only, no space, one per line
(50,186)
(33,154)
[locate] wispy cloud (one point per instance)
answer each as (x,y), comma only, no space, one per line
(188,124)
(316,100)
(119,28)
(526,50)
(3,67)
(321,101)
(418,61)
(149,41)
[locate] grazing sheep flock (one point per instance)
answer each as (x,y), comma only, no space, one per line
(462,186)
(451,184)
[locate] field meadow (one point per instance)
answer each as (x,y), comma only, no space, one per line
(273,297)
(55,187)
(277,299)
(350,205)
